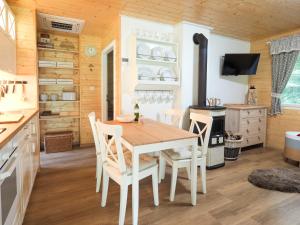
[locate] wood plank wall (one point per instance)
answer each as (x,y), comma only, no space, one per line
(90,85)
(290,119)
(26,55)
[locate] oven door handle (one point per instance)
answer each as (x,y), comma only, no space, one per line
(10,170)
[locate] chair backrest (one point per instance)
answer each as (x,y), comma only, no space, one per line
(110,136)
(173,117)
(204,129)
(92,119)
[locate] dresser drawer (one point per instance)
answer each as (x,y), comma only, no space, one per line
(252,130)
(247,113)
(253,140)
(253,120)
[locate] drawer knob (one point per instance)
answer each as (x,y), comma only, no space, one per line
(258,137)
(247,140)
(259,120)
(248,122)
(259,129)
(248,112)
(247,131)
(259,111)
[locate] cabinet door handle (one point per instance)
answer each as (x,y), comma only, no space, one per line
(248,122)
(259,120)
(248,112)
(247,140)
(247,131)
(259,129)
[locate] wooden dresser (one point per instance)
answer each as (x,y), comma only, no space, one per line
(248,120)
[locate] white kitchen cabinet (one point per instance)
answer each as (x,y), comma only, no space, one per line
(27,142)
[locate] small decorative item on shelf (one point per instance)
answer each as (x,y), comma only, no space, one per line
(233,144)
(66,44)
(252,97)
(136,112)
(43,97)
(54,97)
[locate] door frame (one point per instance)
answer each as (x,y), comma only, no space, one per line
(110,47)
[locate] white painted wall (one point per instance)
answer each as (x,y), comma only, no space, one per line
(129,25)
(230,89)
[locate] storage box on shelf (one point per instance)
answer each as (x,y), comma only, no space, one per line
(154,64)
(57,80)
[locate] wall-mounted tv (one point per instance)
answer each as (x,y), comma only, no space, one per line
(240,64)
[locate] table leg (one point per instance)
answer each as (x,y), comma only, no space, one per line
(135,187)
(194,174)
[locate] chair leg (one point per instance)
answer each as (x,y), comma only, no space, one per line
(162,168)
(155,187)
(188,171)
(123,203)
(99,175)
(203,176)
(104,188)
(173,182)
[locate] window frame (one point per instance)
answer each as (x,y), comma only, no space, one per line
(7,29)
(292,106)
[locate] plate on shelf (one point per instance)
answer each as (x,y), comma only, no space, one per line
(125,118)
(143,51)
(145,73)
(170,56)
(157,53)
(166,74)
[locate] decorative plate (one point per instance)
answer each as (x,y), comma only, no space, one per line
(157,53)
(145,73)
(170,56)
(143,51)
(166,74)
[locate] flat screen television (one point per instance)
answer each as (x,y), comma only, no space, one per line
(240,64)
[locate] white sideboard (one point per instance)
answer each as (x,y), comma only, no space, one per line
(248,120)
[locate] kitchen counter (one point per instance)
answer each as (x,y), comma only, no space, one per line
(244,106)
(13,128)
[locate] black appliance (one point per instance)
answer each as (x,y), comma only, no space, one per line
(240,64)
(216,140)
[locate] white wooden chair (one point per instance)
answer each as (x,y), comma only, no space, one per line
(92,119)
(182,159)
(118,166)
(173,117)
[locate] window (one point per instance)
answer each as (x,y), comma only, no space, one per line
(7,20)
(291,93)
(11,25)
(2,15)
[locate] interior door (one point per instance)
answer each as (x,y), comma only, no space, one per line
(110,86)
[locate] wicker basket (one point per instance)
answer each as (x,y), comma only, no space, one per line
(58,141)
(232,149)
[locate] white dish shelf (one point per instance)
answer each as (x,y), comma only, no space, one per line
(155,81)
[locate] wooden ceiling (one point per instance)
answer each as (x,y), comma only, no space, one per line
(244,19)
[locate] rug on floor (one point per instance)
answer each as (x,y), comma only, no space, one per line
(279,179)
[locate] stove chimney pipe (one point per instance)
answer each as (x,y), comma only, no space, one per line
(201,40)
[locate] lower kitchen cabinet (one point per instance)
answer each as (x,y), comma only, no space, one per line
(29,164)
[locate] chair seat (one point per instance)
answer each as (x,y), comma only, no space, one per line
(145,161)
(182,153)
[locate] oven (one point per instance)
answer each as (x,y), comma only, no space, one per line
(9,184)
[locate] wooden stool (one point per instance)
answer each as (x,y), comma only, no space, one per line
(292,146)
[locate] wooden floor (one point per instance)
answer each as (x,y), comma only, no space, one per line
(64,194)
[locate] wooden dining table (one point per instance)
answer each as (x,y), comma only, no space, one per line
(152,136)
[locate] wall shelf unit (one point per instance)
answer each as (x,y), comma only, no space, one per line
(58,50)
(69,111)
(154,71)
